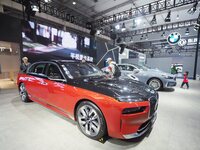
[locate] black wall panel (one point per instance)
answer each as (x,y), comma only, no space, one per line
(10,29)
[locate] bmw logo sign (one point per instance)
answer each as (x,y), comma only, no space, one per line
(174,38)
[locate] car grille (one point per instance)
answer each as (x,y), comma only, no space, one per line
(153,105)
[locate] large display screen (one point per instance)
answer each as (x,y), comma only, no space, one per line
(42,42)
(43,31)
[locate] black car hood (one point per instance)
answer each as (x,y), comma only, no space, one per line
(118,88)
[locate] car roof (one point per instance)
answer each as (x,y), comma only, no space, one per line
(58,61)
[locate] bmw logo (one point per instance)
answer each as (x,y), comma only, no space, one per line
(174,38)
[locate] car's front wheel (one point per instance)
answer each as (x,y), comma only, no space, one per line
(156,84)
(23,93)
(90,120)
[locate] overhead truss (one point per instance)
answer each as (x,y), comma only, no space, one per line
(61,14)
(159,28)
(147,9)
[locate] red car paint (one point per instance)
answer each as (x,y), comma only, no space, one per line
(64,98)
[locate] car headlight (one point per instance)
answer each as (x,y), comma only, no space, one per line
(129,99)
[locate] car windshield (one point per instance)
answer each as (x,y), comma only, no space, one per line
(79,70)
(143,67)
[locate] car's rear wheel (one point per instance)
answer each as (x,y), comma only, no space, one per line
(90,120)
(156,84)
(23,93)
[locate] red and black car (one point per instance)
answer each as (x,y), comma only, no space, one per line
(120,108)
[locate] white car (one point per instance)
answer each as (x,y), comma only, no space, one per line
(153,77)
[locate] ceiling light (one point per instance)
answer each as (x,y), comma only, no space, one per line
(123,27)
(187,32)
(168,18)
(117,27)
(193,8)
(74,3)
(47,1)
(153,21)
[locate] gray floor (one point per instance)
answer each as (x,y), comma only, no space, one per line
(33,127)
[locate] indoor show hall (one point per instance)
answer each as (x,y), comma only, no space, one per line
(99,74)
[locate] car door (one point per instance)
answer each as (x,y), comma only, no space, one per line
(37,82)
(56,87)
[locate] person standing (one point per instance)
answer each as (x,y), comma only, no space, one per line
(185,80)
(24,66)
(113,68)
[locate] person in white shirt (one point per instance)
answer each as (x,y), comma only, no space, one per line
(111,66)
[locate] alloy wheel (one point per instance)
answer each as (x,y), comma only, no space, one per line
(89,120)
(154,83)
(22,92)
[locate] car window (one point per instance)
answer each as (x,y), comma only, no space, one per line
(53,72)
(37,69)
(79,70)
(122,67)
(130,68)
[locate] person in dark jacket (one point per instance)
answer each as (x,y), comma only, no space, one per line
(185,80)
(24,66)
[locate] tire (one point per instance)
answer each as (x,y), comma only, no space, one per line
(23,93)
(156,84)
(90,120)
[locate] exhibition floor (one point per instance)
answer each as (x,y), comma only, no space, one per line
(30,126)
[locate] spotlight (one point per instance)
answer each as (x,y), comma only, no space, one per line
(99,31)
(35,5)
(134,23)
(168,18)
(147,37)
(193,8)
(74,3)
(31,7)
(114,18)
(47,1)
(187,32)
(35,8)
(123,27)
(117,27)
(153,21)
(163,34)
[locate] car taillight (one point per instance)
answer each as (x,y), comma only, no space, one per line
(133,110)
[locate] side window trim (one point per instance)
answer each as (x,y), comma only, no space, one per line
(34,65)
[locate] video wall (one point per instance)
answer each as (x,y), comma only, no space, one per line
(42,42)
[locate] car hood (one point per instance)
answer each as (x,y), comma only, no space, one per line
(118,88)
(157,72)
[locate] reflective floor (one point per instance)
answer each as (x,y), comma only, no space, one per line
(33,127)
